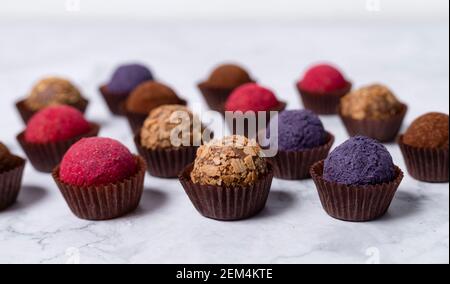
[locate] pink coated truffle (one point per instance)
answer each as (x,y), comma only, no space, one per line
(251,97)
(56,123)
(322,79)
(97,161)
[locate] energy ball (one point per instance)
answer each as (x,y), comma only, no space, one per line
(231,162)
(370,102)
(251,97)
(228,76)
(299,130)
(56,123)
(162,121)
(150,95)
(359,161)
(97,161)
(428,131)
(322,79)
(52,91)
(126,77)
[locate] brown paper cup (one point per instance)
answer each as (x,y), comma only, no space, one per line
(295,165)
(215,97)
(104,202)
(323,103)
(10,182)
(383,130)
(166,163)
(355,203)
(425,164)
(232,122)
(226,203)
(26,113)
(44,157)
(113,100)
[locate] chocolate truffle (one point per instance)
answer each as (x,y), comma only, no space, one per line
(428,131)
(228,76)
(163,120)
(52,91)
(231,161)
(126,77)
(370,102)
(359,161)
(56,123)
(251,97)
(6,159)
(322,79)
(299,130)
(97,161)
(150,95)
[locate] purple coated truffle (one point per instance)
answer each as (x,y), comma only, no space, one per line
(127,77)
(359,161)
(299,130)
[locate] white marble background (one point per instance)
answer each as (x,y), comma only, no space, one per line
(411,58)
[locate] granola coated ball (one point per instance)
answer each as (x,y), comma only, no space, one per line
(230,162)
(163,121)
(52,91)
(371,102)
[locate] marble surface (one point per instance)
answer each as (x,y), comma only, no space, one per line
(39,228)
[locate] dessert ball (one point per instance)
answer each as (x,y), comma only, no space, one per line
(126,77)
(97,161)
(56,123)
(359,161)
(52,91)
(299,130)
(162,123)
(251,97)
(231,162)
(6,159)
(370,102)
(228,76)
(150,95)
(322,79)
(428,131)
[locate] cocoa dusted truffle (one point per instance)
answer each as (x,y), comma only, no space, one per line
(162,121)
(5,158)
(359,161)
(231,161)
(428,131)
(228,76)
(370,102)
(52,91)
(11,171)
(150,95)
(126,77)
(56,123)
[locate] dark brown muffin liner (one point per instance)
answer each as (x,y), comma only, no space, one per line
(232,123)
(425,164)
(383,130)
(45,156)
(323,103)
(166,163)
(26,113)
(227,203)
(295,165)
(355,203)
(136,120)
(215,97)
(104,202)
(114,101)
(10,182)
